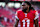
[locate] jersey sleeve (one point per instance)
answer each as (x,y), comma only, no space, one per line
(16,15)
(36,15)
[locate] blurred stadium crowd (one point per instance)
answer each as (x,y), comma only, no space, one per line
(19,0)
(8,11)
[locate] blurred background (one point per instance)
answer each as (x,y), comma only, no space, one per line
(8,10)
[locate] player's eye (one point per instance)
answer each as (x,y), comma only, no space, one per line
(23,5)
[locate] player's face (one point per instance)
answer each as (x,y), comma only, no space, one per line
(24,6)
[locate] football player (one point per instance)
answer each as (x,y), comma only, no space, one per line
(27,16)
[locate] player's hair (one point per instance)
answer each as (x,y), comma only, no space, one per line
(29,5)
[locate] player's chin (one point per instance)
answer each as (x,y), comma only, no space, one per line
(24,10)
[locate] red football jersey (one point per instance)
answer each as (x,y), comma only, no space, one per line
(26,19)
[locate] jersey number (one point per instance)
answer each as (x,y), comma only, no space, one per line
(27,21)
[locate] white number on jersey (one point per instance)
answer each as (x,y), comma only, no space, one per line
(27,21)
